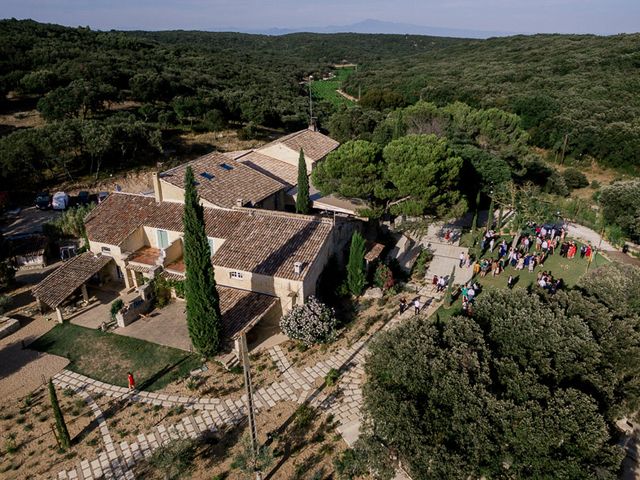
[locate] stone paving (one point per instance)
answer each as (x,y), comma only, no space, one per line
(211,415)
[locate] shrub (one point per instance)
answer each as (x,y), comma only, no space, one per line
(175,458)
(116,306)
(310,323)
(5,303)
(332,377)
(557,185)
(383,277)
(420,267)
(574,178)
(161,291)
(304,416)
(620,204)
(595,185)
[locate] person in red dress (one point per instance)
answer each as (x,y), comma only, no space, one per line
(132,382)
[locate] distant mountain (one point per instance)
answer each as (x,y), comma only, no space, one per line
(378,26)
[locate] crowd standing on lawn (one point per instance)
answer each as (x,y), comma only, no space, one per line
(530,252)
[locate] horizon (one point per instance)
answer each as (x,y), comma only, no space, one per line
(502,17)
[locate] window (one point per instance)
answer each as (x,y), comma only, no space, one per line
(163,239)
(207,175)
(211,245)
(106,250)
(226,166)
(236,275)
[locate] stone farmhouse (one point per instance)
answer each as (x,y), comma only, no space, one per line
(265,259)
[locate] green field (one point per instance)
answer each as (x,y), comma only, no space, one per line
(325,90)
(108,357)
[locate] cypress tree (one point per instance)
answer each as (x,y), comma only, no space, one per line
(355,267)
(448,296)
(203,304)
(61,426)
(303,202)
(490,217)
(474,223)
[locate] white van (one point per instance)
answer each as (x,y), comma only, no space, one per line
(60,201)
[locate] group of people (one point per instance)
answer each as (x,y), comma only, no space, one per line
(439,282)
(469,292)
(404,305)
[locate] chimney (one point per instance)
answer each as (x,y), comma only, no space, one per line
(239,202)
(297,268)
(157,189)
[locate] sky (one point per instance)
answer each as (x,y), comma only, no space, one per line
(518,16)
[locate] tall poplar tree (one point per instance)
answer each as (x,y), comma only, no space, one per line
(61,426)
(355,267)
(303,202)
(203,303)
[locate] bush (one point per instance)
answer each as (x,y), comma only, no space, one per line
(420,267)
(310,323)
(116,306)
(332,377)
(595,184)
(383,277)
(5,303)
(557,185)
(620,204)
(162,292)
(175,458)
(574,178)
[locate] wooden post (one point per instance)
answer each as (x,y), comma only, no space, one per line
(85,294)
(253,431)
(59,314)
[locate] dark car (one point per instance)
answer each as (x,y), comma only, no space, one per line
(83,198)
(43,200)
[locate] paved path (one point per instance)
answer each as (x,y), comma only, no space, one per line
(580,232)
(219,414)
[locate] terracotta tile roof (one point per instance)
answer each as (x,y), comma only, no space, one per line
(278,170)
(374,252)
(117,217)
(242,309)
(270,244)
(222,180)
(260,241)
(60,284)
(315,144)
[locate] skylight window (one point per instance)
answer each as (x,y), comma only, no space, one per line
(226,166)
(207,175)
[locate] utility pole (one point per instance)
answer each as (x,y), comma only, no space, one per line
(251,414)
(311,122)
(564,147)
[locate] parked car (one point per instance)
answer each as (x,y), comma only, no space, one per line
(83,198)
(60,201)
(43,200)
(102,196)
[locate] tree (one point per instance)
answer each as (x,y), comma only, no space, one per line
(421,172)
(61,426)
(355,267)
(574,178)
(620,204)
(474,221)
(490,214)
(449,294)
(303,202)
(203,304)
(7,272)
(354,170)
(530,387)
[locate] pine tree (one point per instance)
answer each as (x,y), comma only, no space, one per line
(203,304)
(490,217)
(303,202)
(61,426)
(449,295)
(355,267)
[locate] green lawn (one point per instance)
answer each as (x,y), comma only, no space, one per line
(108,357)
(570,270)
(326,89)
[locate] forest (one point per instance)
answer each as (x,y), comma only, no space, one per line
(111,100)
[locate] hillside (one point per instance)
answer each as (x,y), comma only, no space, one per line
(586,87)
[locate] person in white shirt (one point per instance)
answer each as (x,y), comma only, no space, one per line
(416,305)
